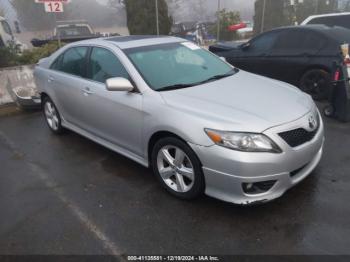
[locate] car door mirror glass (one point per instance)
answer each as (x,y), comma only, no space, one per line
(119,84)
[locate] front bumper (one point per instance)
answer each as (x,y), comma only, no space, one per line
(226,170)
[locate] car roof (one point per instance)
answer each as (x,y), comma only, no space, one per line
(337,33)
(307,20)
(132,41)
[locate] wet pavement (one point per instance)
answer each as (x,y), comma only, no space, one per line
(68,195)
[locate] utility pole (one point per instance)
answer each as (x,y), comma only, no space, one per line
(218,22)
(263,17)
(57,32)
(157,17)
(317,7)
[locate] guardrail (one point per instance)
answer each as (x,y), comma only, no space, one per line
(17,85)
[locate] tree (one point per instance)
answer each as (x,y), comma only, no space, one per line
(184,10)
(227,18)
(270,16)
(283,12)
(141,17)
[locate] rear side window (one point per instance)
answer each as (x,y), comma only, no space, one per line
(73,61)
(299,41)
(57,63)
(104,65)
(340,20)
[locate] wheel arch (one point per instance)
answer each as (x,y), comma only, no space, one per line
(156,137)
(43,95)
(314,67)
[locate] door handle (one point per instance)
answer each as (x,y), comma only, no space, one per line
(87,91)
(51,79)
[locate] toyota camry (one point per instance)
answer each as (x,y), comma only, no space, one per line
(202,125)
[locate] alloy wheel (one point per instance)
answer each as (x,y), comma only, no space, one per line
(316,83)
(51,116)
(175,168)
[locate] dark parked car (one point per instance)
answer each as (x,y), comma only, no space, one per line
(300,55)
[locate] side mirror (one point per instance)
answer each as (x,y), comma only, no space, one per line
(245,46)
(119,84)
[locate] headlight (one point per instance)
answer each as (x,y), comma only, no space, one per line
(246,142)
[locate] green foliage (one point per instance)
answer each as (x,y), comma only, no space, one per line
(9,56)
(227,18)
(274,15)
(141,17)
(34,55)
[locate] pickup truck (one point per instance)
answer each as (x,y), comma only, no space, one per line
(68,31)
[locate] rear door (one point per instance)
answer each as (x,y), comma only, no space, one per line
(65,80)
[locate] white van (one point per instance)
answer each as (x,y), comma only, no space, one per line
(336,19)
(6,36)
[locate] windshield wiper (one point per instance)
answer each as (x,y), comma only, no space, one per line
(180,86)
(174,87)
(217,77)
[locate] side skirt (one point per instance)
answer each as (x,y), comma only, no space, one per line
(106,144)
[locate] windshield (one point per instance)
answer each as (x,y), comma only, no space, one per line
(177,64)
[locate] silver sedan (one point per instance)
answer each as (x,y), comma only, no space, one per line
(201,124)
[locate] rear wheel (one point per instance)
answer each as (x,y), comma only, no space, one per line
(52,116)
(316,82)
(178,168)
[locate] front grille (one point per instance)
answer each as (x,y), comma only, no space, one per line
(299,136)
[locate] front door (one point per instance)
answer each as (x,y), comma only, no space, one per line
(111,115)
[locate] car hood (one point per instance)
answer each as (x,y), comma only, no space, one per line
(242,102)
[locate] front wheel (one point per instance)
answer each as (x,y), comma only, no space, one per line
(317,83)
(177,168)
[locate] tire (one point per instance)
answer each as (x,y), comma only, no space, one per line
(317,83)
(177,168)
(52,116)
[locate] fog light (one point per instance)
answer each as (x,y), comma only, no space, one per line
(258,187)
